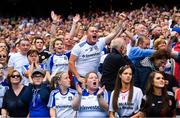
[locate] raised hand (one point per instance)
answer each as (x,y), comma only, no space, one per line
(79,89)
(55,17)
(76,18)
(123,16)
(101,90)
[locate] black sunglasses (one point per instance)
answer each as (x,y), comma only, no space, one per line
(3,56)
(13,76)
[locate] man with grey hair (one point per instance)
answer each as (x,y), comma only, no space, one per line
(114,60)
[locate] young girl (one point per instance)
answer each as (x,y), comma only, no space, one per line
(58,61)
(61,98)
(157,102)
(125,99)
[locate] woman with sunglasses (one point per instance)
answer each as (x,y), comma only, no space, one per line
(12,103)
(125,99)
(157,102)
(61,98)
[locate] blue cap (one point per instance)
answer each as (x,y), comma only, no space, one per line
(177,29)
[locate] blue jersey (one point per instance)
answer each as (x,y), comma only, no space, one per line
(38,108)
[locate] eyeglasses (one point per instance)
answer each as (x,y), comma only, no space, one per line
(13,76)
(3,56)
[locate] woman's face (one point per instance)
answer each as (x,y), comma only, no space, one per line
(92,81)
(58,46)
(15,78)
(64,80)
(158,81)
(3,57)
(126,76)
(162,45)
(33,58)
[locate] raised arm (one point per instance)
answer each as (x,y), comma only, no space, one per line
(74,25)
(55,20)
(77,99)
(116,30)
(102,103)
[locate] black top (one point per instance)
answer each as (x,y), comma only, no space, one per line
(155,109)
(111,65)
(171,82)
(43,56)
(14,105)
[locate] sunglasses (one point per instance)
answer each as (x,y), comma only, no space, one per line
(13,76)
(3,56)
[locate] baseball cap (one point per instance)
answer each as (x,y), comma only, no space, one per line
(38,71)
(176,29)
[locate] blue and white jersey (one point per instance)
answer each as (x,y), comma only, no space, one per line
(90,106)
(126,109)
(58,63)
(26,67)
(25,80)
(62,103)
(88,56)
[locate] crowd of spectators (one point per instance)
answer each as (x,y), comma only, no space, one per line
(62,67)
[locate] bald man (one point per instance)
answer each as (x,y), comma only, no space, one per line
(116,59)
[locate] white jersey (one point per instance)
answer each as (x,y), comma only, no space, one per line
(88,56)
(57,63)
(126,109)
(90,106)
(17,61)
(62,103)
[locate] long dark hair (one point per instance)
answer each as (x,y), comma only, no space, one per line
(118,86)
(149,96)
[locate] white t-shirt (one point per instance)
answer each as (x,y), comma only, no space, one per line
(125,108)
(17,61)
(88,56)
(90,106)
(62,103)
